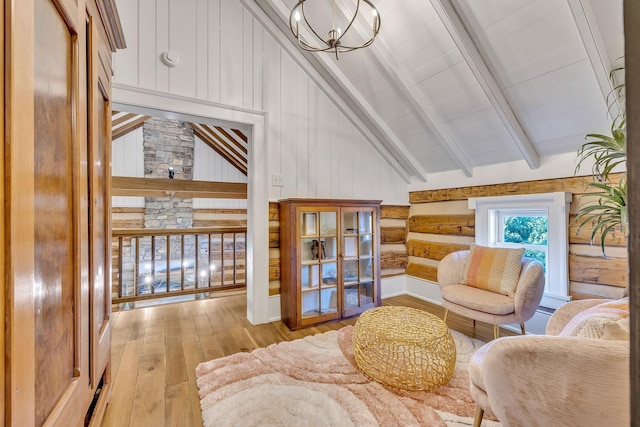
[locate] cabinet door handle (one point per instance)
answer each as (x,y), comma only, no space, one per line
(341,255)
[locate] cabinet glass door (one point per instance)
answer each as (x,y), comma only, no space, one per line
(358,266)
(319,263)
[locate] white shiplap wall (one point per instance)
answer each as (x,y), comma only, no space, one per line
(210,166)
(127,159)
(227,57)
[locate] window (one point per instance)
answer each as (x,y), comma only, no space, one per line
(537,222)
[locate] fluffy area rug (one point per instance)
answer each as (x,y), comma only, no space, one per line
(314,381)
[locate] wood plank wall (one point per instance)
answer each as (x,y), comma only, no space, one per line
(440,222)
(393,231)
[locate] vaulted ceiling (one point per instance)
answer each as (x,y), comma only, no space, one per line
(457,84)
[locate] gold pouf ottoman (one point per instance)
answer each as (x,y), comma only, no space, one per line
(404,348)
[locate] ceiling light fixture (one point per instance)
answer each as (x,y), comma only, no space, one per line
(300,18)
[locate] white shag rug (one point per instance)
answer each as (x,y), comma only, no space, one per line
(314,381)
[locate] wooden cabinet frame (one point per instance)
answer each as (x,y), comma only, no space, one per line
(302,254)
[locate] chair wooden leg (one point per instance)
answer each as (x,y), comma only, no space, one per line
(477,420)
(496,332)
(446,313)
(522,329)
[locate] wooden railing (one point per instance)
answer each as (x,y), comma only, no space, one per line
(153,263)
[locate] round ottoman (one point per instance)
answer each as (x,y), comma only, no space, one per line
(404,348)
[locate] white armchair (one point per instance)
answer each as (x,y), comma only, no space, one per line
(550,380)
(486,306)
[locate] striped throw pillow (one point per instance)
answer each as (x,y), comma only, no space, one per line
(493,269)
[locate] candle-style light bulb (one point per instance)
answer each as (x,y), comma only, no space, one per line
(375,19)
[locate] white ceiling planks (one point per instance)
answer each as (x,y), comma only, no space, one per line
(456,84)
(272,15)
(594,45)
(418,103)
(476,63)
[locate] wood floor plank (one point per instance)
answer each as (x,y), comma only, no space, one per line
(124,384)
(149,398)
(193,357)
(176,366)
(177,409)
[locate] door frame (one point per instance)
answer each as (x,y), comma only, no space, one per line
(127,98)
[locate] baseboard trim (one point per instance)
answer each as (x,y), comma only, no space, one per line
(425,290)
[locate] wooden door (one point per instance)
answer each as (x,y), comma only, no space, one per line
(98,72)
(55,227)
(47,304)
(60,302)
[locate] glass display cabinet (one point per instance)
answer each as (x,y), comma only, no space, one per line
(329,256)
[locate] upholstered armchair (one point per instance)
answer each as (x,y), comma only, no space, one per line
(559,379)
(486,306)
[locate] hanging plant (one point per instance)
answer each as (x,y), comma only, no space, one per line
(606,210)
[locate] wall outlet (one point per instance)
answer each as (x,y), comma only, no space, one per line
(277,180)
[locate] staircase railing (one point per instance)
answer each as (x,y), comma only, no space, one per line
(157,263)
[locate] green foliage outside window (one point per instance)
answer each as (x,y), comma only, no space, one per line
(530,230)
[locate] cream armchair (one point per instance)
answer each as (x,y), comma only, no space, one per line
(549,380)
(486,306)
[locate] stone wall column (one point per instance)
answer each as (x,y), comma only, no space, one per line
(168,143)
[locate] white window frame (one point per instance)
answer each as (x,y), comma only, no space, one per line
(556,206)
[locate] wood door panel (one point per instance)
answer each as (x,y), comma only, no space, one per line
(54,252)
(101,242)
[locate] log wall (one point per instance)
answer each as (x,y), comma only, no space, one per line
(440,222)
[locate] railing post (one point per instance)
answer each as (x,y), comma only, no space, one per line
(182,266)
(119,267)
(196,275)
(209,266)
(168,261)
(136,267)
(235,266)
(153,264)
(222,259)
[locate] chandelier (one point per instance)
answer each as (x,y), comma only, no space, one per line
(310,21)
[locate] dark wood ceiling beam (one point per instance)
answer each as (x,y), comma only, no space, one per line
(163,187)
(211,143)
(123,118)
(128,127)
(232,139)
(227,146)
(241,135)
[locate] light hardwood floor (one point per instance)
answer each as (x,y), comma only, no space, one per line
(155,351)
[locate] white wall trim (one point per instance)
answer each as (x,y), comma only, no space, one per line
(275,313)
(393,286)
(255,123)
(425,290)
